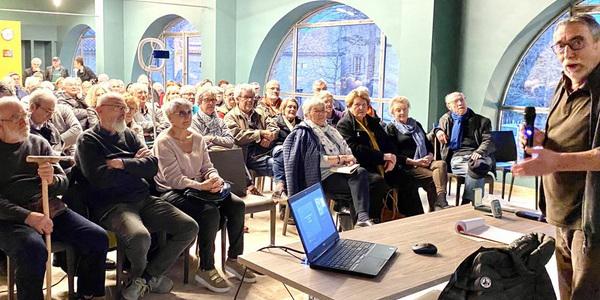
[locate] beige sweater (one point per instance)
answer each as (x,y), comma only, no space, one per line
(177,169)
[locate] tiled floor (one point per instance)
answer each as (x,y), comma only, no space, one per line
(265,288)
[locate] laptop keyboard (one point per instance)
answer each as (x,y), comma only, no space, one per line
(346,254)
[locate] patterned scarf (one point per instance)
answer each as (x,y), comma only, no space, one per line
(211,123)
(330,138)
(411,128)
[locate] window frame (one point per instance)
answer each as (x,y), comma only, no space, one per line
(377,101)
(185,35)
(79,51)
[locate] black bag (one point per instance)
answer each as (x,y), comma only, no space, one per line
(215,198)
(516,272)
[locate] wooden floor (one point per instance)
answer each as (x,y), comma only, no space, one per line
(265,287)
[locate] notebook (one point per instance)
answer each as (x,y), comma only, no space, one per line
(322,244)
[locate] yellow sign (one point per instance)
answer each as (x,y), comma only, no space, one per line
(10,47)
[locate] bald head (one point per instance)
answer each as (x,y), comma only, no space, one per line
(14,125)
(111,108)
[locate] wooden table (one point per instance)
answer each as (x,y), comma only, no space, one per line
(407,272)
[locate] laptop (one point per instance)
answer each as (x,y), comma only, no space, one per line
(231,166)
(322,244)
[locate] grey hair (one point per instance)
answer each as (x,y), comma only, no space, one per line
(311,103)
(187,88)
(451,95)
(212,90)
(38,95)
(318,82)
(136,87)
(172,105)
(243,87)
(71,81)
(323,95)
(36,59)
(588,20)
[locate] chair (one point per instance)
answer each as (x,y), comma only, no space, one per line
(71,268)
(506,155)
(460,180)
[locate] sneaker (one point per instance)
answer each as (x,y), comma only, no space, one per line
(136,289)
(366,223)
(212,280)
(237,269)
(160,284)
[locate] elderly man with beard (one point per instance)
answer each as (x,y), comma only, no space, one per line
(21,222)
(115,164)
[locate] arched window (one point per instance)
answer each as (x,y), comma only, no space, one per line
(86,47)
(342,46)
(185,47)
(536,75)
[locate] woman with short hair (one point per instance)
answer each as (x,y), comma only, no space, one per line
(184,165)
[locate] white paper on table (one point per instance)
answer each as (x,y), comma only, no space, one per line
(476,227)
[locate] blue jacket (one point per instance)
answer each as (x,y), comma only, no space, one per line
(302,159)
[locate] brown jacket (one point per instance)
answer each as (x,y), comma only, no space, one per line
(237,122)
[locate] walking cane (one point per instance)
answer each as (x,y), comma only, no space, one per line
(46,209)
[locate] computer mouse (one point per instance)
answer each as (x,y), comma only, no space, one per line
(424,248)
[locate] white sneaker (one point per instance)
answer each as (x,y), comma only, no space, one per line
(136,289)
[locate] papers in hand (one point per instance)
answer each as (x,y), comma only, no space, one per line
(476,227)
(345,169)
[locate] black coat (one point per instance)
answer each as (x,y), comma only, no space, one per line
(284,131)
(405,144)
(359,143)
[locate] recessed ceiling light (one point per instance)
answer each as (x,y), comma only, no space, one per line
(56,2)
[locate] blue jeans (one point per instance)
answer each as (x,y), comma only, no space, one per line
(27,248)
(459,165)
(278,169)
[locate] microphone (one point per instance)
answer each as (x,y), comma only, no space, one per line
(529,127)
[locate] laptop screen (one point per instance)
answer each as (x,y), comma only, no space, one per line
(313,220)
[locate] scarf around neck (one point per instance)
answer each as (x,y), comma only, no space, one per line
(411,128)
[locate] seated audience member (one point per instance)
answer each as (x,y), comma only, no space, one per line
(66,122)
(91,98)
(466,143)
(374,151)
(223,83)
(35,67)
(41,108)
(309,152)
(333,115)
(171,93)
(115,165)
(228,101)
(149,116)
(215,133)
(116,85)
(84,72)
(47,85)
(102,78)
(188,92)
(58,85)
(269,105)
(415,153)
(319,86)
(85,87)
(257,97)
(22,224)
(253,131)
(160,91)
(134,106)
(55,71)
(16,78)
(31,84)
(184,164)
(220,93)
(286,121)
(71,98)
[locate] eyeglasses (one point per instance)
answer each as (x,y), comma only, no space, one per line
(16,118)
(184,113)
(208,100)
(576,43)
(118,107)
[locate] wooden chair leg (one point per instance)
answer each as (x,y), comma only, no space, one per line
(10,278)
(491,187)
(457,192)
(223,246)
(273,221)
(286,217)
(71,269)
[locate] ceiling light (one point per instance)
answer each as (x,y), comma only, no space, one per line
(56,2)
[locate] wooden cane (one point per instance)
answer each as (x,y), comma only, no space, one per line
(46,209)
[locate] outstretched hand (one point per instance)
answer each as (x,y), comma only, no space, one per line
(542,162)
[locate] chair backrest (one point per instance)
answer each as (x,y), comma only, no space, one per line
(506,148)
(231,166)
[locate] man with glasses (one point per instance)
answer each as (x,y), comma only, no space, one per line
(70,96)
(41,107)
(466,143)
(253,131)
(149,116)
(21,222)
(570,159)
(115,165)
